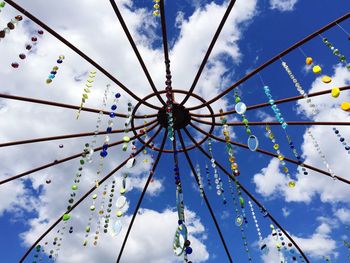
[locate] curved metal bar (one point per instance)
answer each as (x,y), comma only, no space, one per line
(261,105)
(68,106)
(207,54)
(76,50)
(82,199)
(205,197)
(251,196)
(174,91)
(70,136)
(137,53)
(142,195)
(273,155)
(254,123)
(269,62)
(64,160)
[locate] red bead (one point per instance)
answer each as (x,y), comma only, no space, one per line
(2,34)
(15,65)
(22,56)
(40,32)
(19,18)
(11,26)
(28,47)
(34,39)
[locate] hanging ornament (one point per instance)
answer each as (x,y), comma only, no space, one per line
(156,6)
(88,227)
(342,140)
(262,244)
(109,207)
(100,215)
(345,106)
(208,175)
(53,72)
(88,86)
(198,172)
(240,108)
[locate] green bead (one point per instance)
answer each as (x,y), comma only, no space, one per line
(348,66)
(325,40)
(74,187)
(238,99)
(245,121)
(248,131)
(342,58)
(336,52)
(2,4)
(87,229)
(66,217)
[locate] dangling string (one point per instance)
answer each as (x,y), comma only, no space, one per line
(302,52)
(100,215)
(88,86)
(198,171)
(263,246)
(208,175)
(336,52)
(54,70)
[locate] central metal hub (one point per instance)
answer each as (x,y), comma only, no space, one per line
(181,117)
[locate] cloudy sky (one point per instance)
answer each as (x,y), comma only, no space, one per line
(315,213)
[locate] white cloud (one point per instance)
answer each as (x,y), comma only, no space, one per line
(343,215)
(285,211)
(283,5)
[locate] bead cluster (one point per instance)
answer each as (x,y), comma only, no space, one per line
(126,139)
(120,203)
(198,172)
(336,52)
(261,242)
(156,8)
(170,100)
(53,72)
(240,219)
(100,214)
(280,156)
(109,207)
(208,175)
(10,26)
(28,47)
(88,86)
(320,153)
(217,178)
(74,187)
(37,255)
(300,88)
(88,227)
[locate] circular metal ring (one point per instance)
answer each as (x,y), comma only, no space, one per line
(170,150)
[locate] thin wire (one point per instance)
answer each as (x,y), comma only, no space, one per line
(346,32)
(261,79)
(302,51)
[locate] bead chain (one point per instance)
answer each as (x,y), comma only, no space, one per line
(88,227)
(198,171)
(239,220)
(100,214)
(126,139)
(336,52)
(10,25)
(88,85)
(109,207)
(156,8)
(262,244)
(217,178)
(284,125)
(208,175)
(280,156)
(53,72)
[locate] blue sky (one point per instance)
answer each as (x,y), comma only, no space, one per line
(315,212)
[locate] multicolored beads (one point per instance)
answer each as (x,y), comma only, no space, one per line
(100,214)
(126,138)
(88,227)
(88,86)
(109,207)
(53,72)
(10,25)
(280,156)
(240,108)
(336,52)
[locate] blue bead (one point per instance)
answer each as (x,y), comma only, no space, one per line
(114,107)
(117,95)
(179,222)
(112,114)
(51,76)
(59,61)
(188,250)
(105,147)
(53,72)
(103,153)
(341,139)
(109,129)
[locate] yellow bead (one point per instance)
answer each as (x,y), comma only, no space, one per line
(335,92)
(271,136)
(276,146)
(308,61)
(155,13)
(156,6)
(119,213)
(226,133)
(122,190)
(234,166)
(345,106)
(101,212)
(317,69)
(285,169)
(281,157)
(291,184)
(326,79)
(232,159)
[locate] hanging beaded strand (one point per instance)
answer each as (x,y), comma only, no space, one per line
(88,227)
(10,26)
(314,112)
(100,214)
(240,220)
(217,178)
(208,175)
(198,172)
(280,155)
(240,108)
(284,125)
(53,72)
(263,246)
(156,8)
(109,207)
(336,52)
(126,138)
(88,86)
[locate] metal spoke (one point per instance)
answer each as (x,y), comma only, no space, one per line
(83,197)
(137,53)
(64,160)
(251,196)
(207,54)
(205,197)
(142,195)
(269,62)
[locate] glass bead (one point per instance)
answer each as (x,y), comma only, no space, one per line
(253,143)
(276,146)
(240,108)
